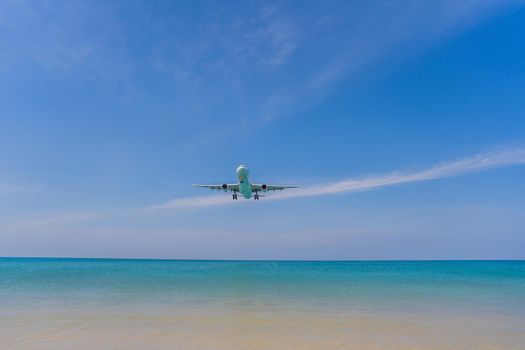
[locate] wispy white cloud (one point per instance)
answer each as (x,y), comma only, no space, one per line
(67,41)
(75,219)
(197,201)
(66,219)
(227,62)
(475,163)
(13,188)
(357,38)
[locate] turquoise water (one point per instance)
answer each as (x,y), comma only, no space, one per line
(464,286)
(196,305)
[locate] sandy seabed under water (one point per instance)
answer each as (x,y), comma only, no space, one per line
(242,329)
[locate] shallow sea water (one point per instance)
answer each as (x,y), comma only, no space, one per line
(170,304)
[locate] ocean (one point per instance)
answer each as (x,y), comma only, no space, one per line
(178,304)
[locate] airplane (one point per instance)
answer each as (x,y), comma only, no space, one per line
(244,187)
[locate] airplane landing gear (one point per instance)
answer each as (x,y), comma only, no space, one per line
(256,196)
(234,196)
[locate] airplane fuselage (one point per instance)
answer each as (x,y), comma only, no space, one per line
(245,188)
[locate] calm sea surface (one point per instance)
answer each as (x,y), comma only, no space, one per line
(162,304)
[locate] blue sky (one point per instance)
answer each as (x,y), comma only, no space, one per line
(404,121)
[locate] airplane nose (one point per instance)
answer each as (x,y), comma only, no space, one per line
(242,171)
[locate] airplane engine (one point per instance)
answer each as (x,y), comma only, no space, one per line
(224,187)
(264,187)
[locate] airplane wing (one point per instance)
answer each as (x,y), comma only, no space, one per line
(224,187)
(265,188)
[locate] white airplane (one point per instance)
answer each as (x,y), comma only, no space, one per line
(244,187)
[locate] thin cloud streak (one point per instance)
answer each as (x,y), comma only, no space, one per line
(6,189)
(49,221)
(475,163)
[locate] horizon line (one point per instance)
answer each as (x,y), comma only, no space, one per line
(257,260)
